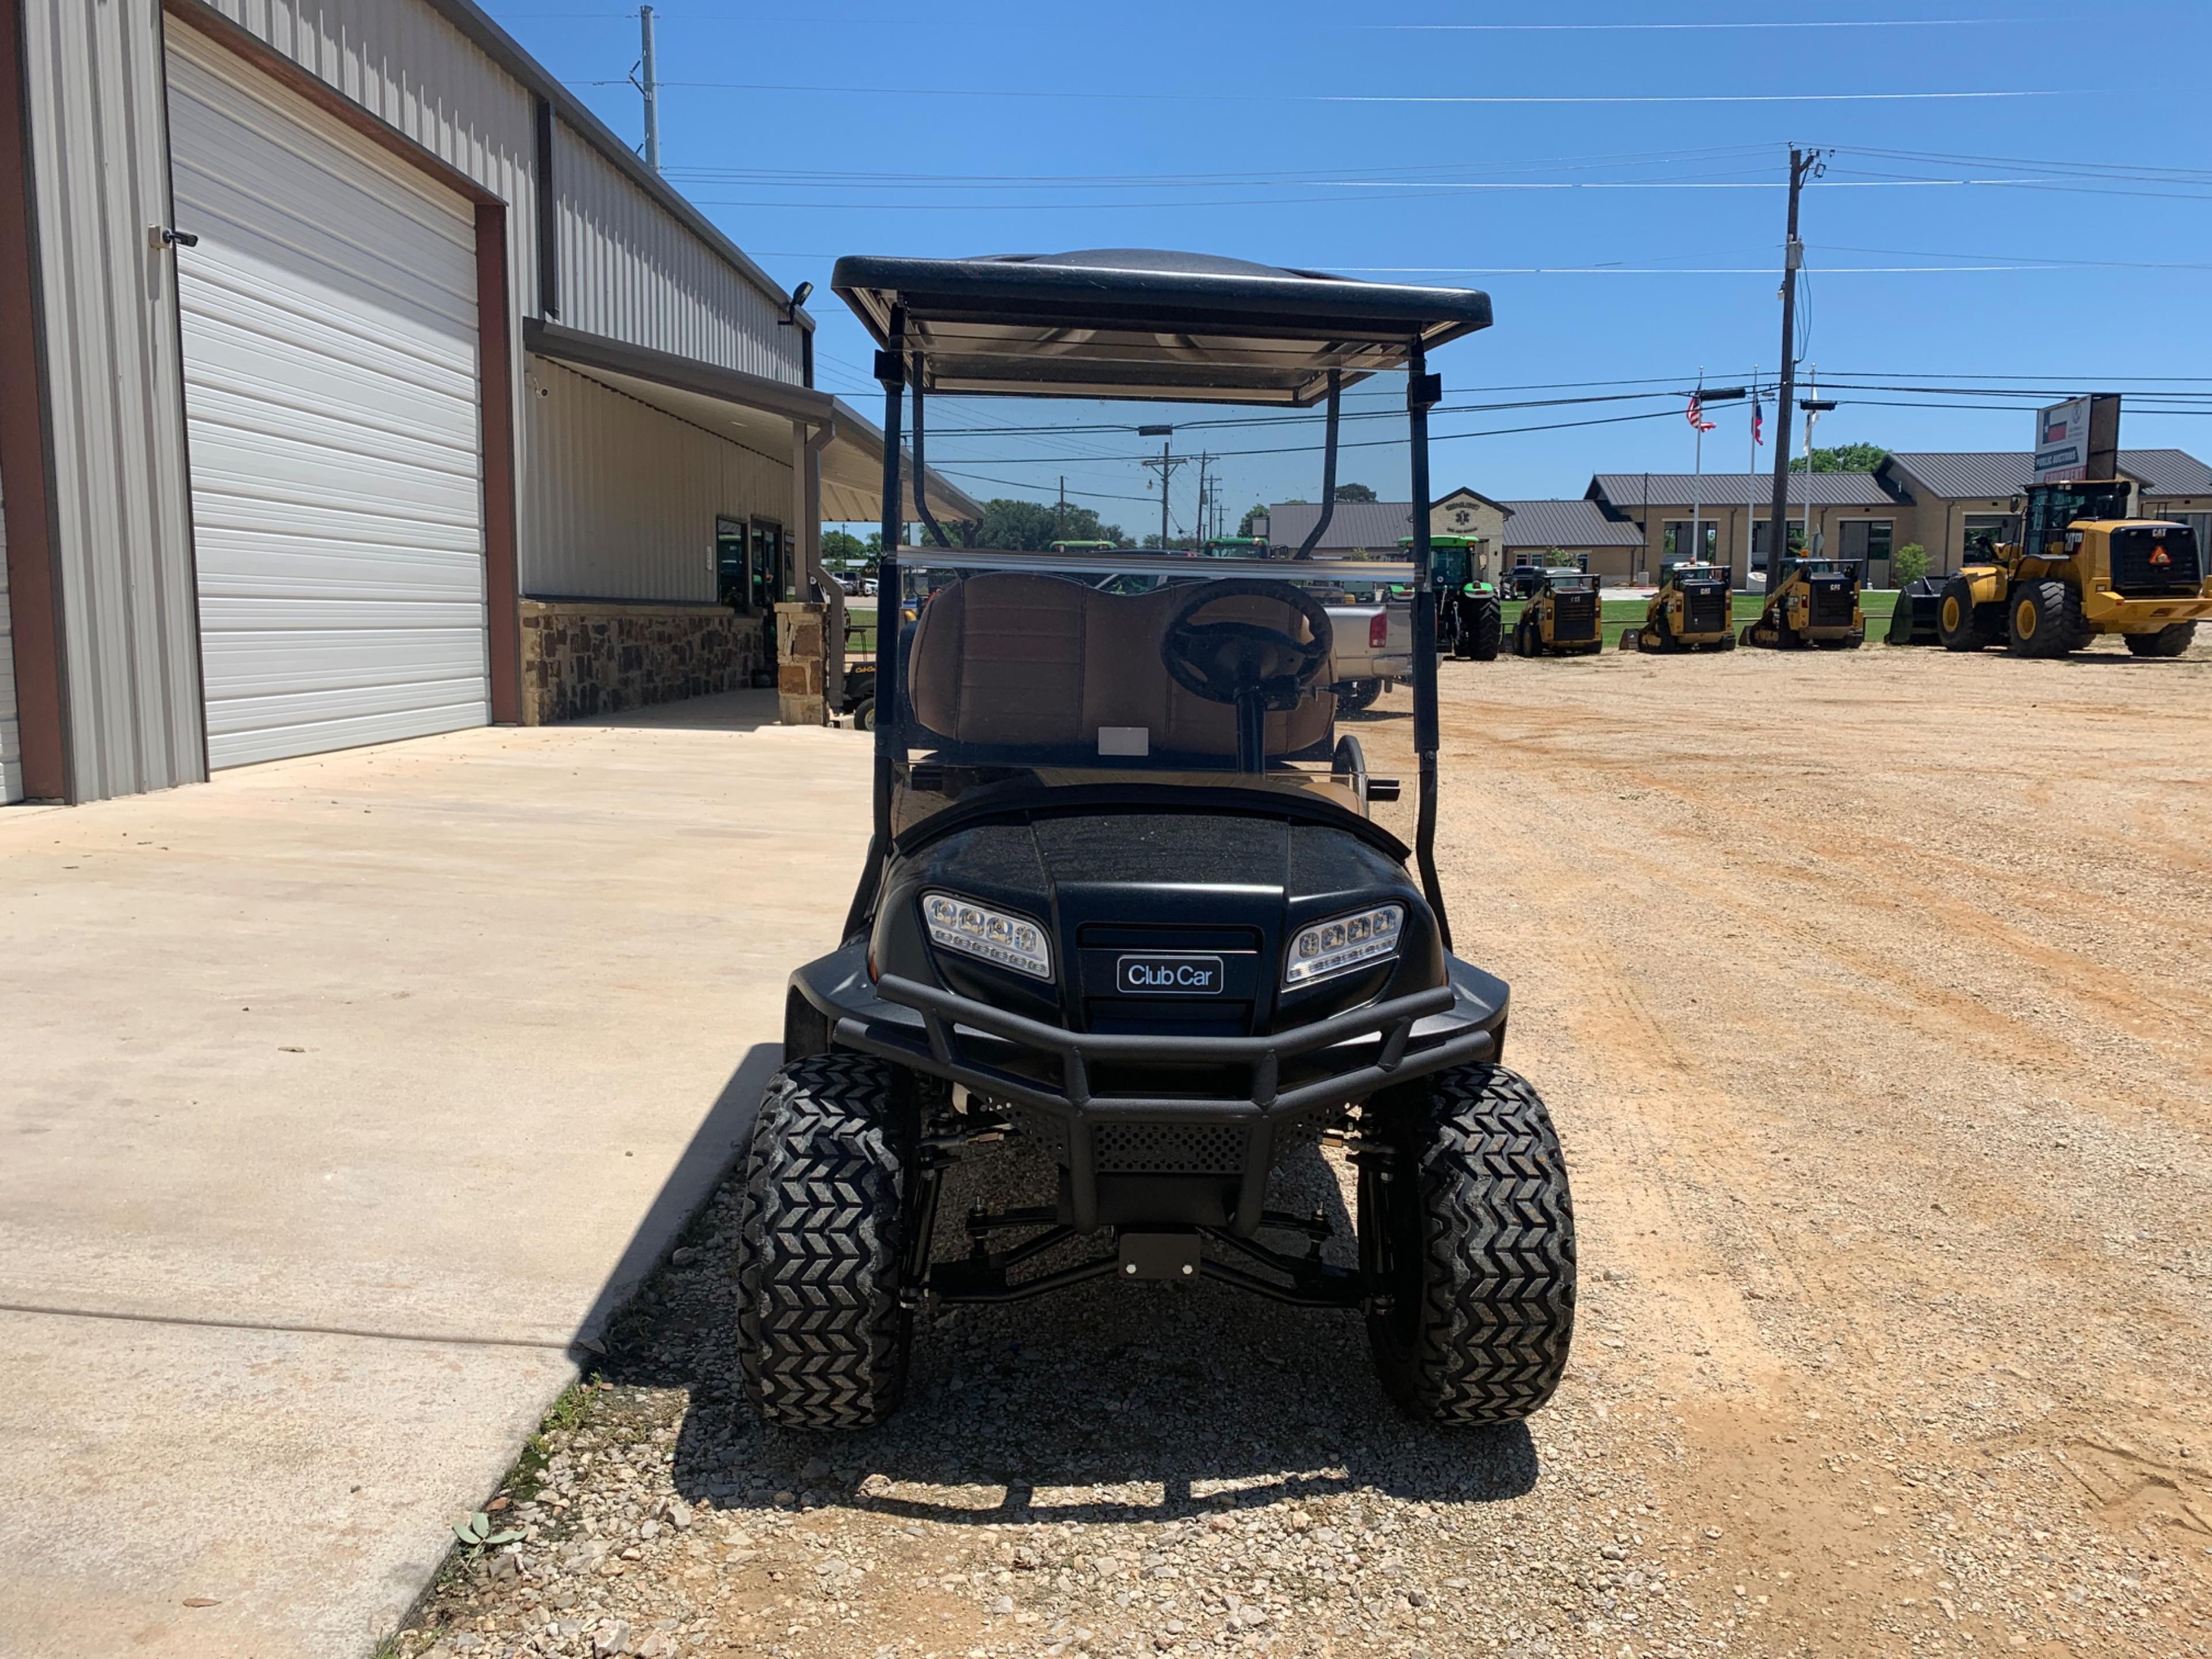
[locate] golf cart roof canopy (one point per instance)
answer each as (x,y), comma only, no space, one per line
(1140,322)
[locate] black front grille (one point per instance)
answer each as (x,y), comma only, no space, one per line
(1168,1149)
(1832,605)
(1574,616)
(1706,610)
(2156,561)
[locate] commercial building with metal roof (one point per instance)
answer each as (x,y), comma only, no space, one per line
(1847,514)
(357,383)
(1958,496)
(1575,530)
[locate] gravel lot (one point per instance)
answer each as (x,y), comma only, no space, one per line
(1870,993)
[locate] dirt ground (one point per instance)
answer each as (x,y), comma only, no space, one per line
(1870,993)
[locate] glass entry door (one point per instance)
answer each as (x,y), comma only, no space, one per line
(771,573)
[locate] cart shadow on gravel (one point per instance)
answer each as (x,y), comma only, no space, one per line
(1107,1403)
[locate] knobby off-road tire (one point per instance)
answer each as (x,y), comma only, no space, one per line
(2043,619)
(2169,641)
(1479,1230)
(1488,630)
(823,1337)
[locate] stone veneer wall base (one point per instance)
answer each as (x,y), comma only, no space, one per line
(587,657)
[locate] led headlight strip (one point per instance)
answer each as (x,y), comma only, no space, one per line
(1009,941)
(1343,943)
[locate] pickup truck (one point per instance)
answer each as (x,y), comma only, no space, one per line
(1373,650)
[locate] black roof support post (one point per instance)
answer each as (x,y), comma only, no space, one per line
(890,723)
(1328,467)
(921,466)
(1423,391)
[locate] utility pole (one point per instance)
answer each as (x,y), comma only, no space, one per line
(1203,457)
(650,87)
(1165,464)
(1804,164)
(1060,514)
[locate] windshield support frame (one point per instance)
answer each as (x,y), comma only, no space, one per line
(890,373)
(1422,392)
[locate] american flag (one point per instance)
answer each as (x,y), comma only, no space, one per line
(1696,413)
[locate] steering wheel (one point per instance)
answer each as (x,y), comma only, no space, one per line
(1241,662)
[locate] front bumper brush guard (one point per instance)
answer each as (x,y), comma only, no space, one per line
(1259,1112)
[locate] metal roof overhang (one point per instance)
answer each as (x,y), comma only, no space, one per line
(1141,324)
(752,410)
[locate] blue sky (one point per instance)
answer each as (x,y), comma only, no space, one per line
(1271,131)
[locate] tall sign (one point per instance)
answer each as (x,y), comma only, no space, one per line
(2078,439)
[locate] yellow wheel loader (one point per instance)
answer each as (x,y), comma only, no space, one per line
(1690,612)
(1815,603)
(1561,618)
(2080,566)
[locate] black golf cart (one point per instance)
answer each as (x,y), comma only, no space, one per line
(1124,897)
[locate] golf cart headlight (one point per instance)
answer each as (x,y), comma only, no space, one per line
(1343,943)
(1010,941)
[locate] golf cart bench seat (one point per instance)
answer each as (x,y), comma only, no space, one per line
(1005,660)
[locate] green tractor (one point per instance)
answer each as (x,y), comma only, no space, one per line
(1470,618)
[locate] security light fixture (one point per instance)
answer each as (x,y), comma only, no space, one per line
(799,297)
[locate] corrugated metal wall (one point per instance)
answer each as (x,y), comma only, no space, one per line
(11,748)
(93,74)
(630,270)
(628,495)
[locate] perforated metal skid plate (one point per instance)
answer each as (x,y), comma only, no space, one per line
(1168,1149)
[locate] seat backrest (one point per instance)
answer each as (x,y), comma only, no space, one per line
(1006,659)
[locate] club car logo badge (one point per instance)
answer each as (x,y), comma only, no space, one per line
(1169,976)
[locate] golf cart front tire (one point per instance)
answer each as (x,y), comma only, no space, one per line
(1471,1210)
(824,1338)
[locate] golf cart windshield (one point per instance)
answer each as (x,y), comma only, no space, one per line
(1091,669)
(1033,673)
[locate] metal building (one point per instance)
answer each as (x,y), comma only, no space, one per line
(356,383)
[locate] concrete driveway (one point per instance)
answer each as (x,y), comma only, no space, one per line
(339,1097)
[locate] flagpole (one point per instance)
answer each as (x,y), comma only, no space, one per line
(1697,476)
(1751,485)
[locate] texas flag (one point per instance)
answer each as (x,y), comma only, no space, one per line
(1759,423)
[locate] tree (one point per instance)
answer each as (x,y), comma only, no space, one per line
(1908,564)
(1353,492)
(1843,457)
(1032,526)
(842,547)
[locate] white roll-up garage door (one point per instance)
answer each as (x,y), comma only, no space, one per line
(331,393)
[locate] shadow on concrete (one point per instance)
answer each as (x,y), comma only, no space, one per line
(719,1141)
(1109,1402)
(724,711)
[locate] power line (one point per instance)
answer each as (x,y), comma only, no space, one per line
(1278,99)
(1363,443)
(1615,28)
